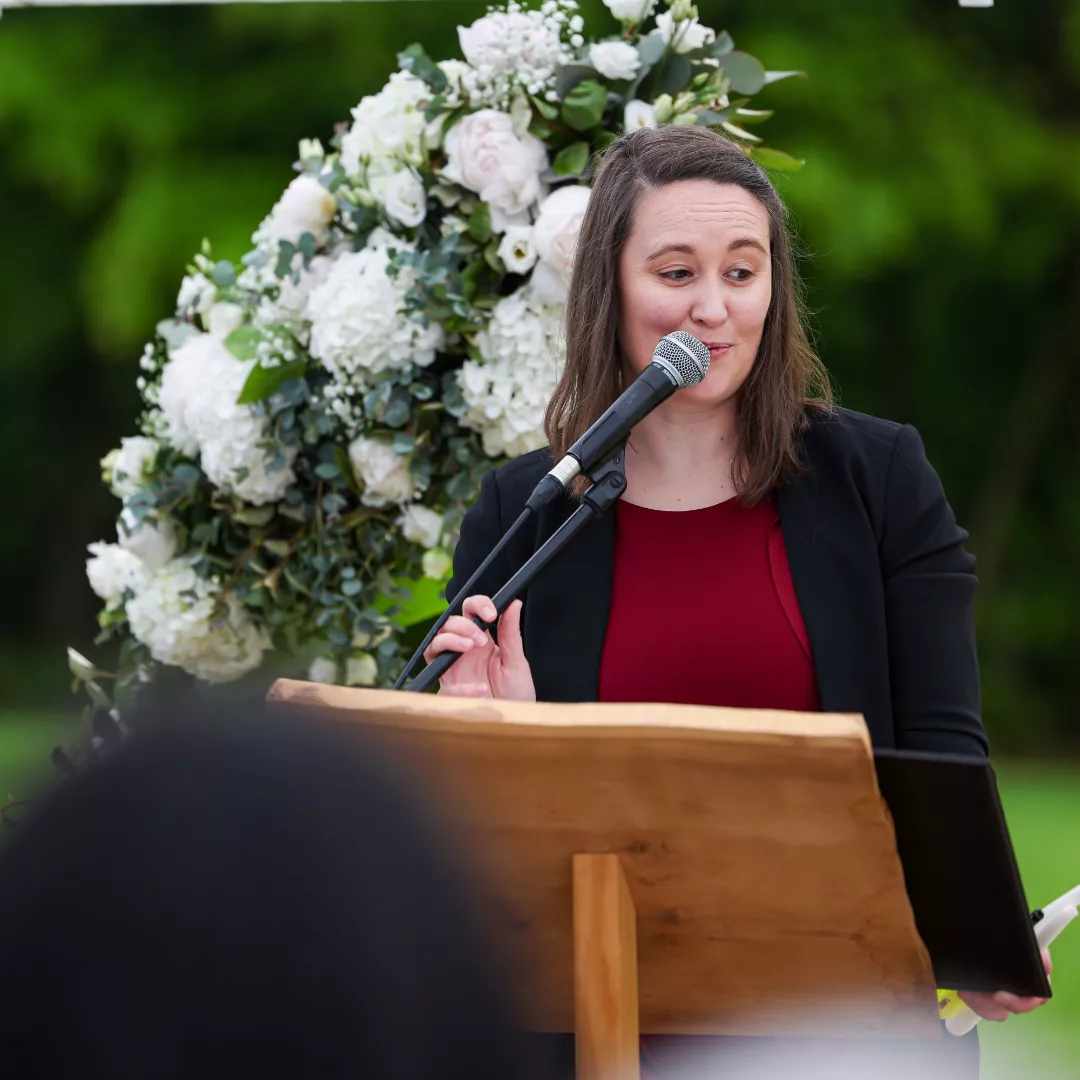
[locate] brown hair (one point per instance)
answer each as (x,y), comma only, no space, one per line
(787,375)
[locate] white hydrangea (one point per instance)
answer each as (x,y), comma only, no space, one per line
(199,388)
(128,467)
(184,620)
(507,48)
(381,471)
(689,34)
(196,296)
(524,352)
(485,155)
(223,318)
(152,541)
(631,11)
(304,206)
(421,525)
(358,321)
(389,124)
(615,59)
(114,570)
(292,296)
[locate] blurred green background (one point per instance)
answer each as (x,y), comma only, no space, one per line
(939,211)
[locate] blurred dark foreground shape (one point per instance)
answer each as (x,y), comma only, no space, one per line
(258,894)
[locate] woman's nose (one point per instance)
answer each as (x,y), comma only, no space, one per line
(709,306)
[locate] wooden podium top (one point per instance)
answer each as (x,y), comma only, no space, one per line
(759,855)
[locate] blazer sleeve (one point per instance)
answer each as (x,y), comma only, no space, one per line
(929,595)
(481,530)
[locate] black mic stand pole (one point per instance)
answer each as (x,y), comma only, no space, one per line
(609,482)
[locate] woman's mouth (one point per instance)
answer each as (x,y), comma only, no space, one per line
(718,347)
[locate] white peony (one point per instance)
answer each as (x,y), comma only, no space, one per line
(555,235)
(630,11)
(485,156)
(127,468)
(615,59)
(638,114)
(689,34)
(402,194)
(153,542)
(383,473)
(223,318)
(184,620)
(421,525)
(199,388)
(358,321)
(304,207)
(524,352)
(389,124)
(517,250)
(323,670)
(114,570)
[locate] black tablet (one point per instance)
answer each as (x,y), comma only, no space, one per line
(961,872)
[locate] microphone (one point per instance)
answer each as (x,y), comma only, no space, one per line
(678,360)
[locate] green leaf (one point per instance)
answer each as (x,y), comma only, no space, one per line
(776,159)
(711,118)
(583,107)
(415,60)
(286,251)
(479,226)
(722,45)
(243,342)
(545,108)
(603,139)
(571,160)
(327,470)
(566,78)
(425,601)
(254,515)
(262,382)
(673,75)
(752,116)
(745,72)
(651,48)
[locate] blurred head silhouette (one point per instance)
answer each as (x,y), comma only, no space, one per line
(255,893)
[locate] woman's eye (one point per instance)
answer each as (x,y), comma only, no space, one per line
(678,274)
(743,273)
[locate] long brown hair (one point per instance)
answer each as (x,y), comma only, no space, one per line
(787,375)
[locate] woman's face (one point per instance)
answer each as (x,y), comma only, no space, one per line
(697,259)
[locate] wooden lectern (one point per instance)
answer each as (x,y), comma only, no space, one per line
(670,868)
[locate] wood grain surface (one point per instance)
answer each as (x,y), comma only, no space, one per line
(759,855)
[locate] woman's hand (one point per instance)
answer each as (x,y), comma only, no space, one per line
(1001,1005)
(485,669)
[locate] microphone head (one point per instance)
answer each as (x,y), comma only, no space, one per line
(683,357)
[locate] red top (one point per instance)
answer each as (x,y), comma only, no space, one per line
(704,612)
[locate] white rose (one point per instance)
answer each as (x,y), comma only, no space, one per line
(485,156)
(630,11)
(323,670)
(638,114)
(402,194)
(126,469)
(382,472)
(389,124)
(556,231)
(436,563)
(689,34)
(615,59)
(113,570)
(305,206)
(154,542)
(421,525)
(223,319)
(517,250)
(361,670)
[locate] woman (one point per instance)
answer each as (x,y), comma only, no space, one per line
(770,550)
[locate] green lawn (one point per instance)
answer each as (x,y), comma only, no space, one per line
(1042,802)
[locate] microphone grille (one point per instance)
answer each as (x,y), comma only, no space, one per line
(683,356)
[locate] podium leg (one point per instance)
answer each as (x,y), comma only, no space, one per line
(605,971)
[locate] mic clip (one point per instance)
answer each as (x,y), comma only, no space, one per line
(608,481)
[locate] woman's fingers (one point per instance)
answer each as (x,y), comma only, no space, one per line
(1000,1005)
(481,606)
(1048,963)
(510,645)
(444,641)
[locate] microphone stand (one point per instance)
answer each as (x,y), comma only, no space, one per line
(608,483)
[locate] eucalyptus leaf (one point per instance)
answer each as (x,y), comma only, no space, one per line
(723,44)
(583,107)
(776,76)
(672,75)
(776,159)
(566,78)
(243,341)
(571,160)
(650,48)
(545,108)
(745,72)
(415,60)
(740,133)
(254,515)
(327,470)
(262,382)
(223,275)
(712,118)
(747,117)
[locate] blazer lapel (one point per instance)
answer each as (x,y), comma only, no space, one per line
(567,610)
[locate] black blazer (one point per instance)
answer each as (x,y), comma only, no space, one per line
(884,583)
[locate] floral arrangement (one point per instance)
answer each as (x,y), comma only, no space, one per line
(318,418)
